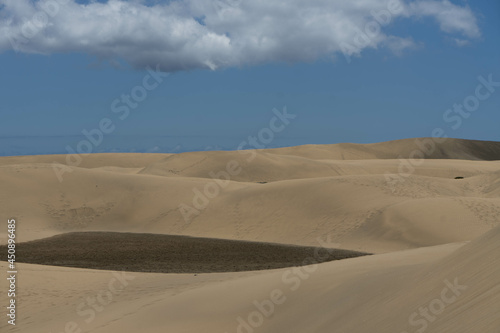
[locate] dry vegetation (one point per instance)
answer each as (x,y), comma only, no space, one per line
(167,253)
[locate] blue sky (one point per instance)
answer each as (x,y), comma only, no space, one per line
(222,85)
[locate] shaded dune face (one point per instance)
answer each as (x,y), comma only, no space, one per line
(168,254)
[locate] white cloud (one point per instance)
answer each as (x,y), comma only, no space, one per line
(398,45)
(451,18)
(189,34)
(461,42)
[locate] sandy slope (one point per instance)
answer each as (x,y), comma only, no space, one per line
(273,198)
(437,148)
(329,195)
(291,211)
(382,293)
(122,160)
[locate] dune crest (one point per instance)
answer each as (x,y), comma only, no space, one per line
(435,234)
(281,195)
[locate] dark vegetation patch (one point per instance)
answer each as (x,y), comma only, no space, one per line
(167,253)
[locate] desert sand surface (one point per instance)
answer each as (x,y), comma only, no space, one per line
(429,212)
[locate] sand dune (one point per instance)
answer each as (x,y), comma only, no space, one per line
(269,167)
(433,148)
(357,209)
(387,291)
(122,160)
(426,228)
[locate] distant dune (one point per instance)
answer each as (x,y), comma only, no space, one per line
(275,197)
(434,148)
(429,211)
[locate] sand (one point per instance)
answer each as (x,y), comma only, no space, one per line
(428,230)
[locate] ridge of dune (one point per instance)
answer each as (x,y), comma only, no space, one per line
(433,148)
(95,160)
(430,232)
(268,167)
(440,289)
(455,293)
(360,211)
(327,160)
(273,198)
(444,289)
